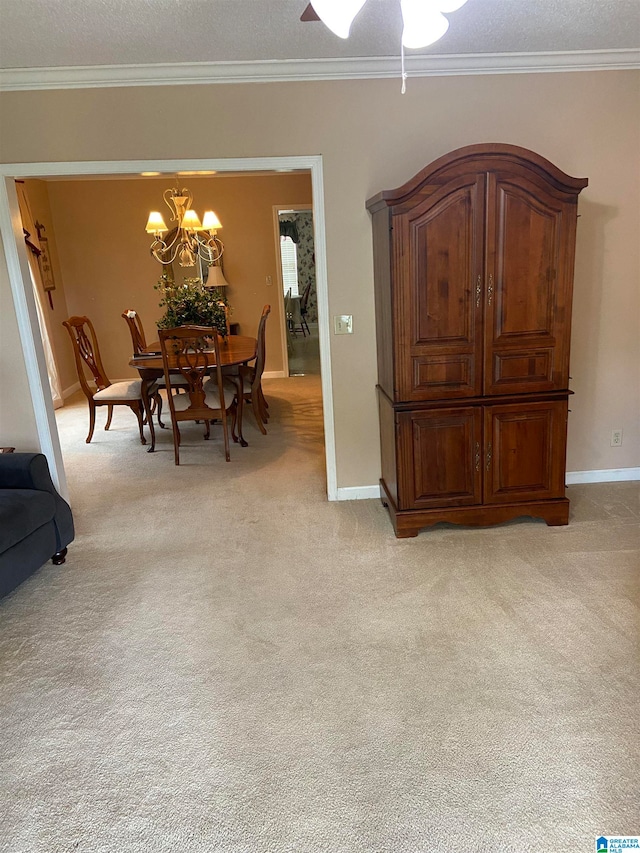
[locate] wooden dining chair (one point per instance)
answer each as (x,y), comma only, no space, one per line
(304,310)
(288,320)
(187,353)
(136,330)
(110,394)
(248,382)
(139,344)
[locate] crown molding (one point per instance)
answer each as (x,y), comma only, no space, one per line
(300,70)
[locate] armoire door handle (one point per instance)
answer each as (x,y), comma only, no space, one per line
(489,456)
(490,288)
(477,455)
(478,291)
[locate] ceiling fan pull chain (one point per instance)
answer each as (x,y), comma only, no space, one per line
(404,73)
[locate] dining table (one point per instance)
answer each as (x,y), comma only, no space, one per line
(234,350)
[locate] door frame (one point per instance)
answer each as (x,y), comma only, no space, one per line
(24,301)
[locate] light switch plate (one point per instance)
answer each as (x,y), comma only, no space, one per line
(343,324)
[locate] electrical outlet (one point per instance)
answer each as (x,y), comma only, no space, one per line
(616,437)
(343,324)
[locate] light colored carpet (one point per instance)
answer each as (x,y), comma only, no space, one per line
(304,356)
(228,662)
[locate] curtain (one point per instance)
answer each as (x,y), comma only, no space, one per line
(288,228)
(28,225)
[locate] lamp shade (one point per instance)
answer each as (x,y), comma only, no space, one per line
(191,221)
(338,15)
(215,277)
(155,223)
(211,221)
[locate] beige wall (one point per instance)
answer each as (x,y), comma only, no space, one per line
(372,138)
(106,265)
(38,196)
(17,419)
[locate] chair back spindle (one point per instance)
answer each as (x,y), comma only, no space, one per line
(86,352)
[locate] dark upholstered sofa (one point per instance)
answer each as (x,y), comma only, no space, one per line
(36,524)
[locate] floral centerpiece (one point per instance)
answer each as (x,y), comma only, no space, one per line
(190,302)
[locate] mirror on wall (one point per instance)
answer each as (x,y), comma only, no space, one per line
(179,274)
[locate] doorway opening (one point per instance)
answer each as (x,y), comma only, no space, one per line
(10,229)
(297,278)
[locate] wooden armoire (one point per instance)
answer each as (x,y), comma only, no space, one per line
(473,265)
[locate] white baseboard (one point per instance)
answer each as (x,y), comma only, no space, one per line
(609,475)
(274,374)
(358,493)
(573,478)
(67,392)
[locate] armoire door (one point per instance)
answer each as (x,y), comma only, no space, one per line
(440,457)
(439,249)
(524,451)
(530,247)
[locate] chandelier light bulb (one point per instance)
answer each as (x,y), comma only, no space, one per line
(338,15)
(423,23)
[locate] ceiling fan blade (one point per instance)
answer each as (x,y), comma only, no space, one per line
(309,14)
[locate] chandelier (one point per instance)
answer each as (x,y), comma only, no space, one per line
(190,239)
(423,20)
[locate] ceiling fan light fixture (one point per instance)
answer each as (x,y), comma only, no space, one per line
(424,24)
(338,15)
(447,6)
(424,21)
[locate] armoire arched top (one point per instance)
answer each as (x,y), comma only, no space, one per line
(483,157)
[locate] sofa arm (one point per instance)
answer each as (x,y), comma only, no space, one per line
(25,471)
(31,471)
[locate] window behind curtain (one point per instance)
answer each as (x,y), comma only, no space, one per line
(289,265)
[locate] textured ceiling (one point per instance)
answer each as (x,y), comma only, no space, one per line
(55,33)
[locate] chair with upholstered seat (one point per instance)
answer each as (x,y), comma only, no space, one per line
(110,394)
(139,343)
(186,353)
(248,383)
